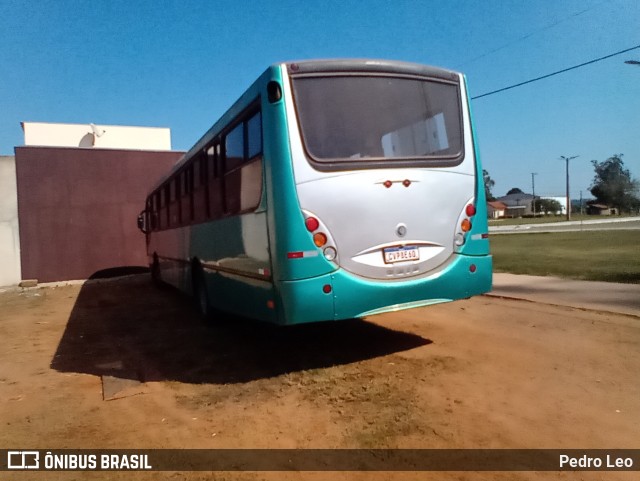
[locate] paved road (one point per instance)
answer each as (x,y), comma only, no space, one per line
(600,296)
(626,223)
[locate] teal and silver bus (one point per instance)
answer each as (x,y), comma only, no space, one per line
(331,189)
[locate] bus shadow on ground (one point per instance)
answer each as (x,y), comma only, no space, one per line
(129,329)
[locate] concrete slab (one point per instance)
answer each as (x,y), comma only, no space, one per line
(118,388)
(599,296)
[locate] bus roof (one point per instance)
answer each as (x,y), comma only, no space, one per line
(306,67)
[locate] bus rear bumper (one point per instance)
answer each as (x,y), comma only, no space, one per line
(350,296)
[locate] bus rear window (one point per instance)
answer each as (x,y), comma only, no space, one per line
(354,119)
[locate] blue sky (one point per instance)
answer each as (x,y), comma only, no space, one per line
(180,64)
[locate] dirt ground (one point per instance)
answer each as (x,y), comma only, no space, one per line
(478,373)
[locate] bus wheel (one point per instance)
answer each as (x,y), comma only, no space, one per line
(155,271)
(201,296)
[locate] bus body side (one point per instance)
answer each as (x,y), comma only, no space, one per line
(228,250)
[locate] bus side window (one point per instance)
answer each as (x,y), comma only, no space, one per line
(177,197)
(251,178)
(233,159)
(214,181)
(254,136)
(234,148)
(167,201)
(186,201)
(174,206)
(199,188)
(243,166)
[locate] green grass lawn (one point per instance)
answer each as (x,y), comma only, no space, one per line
(611,256)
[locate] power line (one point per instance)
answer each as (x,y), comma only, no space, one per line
(534,32)
(555,73)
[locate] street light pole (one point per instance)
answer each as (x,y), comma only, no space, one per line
(567,159)
(533,187)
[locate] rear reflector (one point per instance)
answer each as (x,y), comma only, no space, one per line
(326,288)
(301,254)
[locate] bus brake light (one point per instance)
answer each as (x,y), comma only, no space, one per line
(470,210)
(311,223)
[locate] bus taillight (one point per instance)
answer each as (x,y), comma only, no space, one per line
(321,236)
(319,239)
(311,223)
(470,210)
(464,224)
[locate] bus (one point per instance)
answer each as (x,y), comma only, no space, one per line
(331,189)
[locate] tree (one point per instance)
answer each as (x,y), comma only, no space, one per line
(612,184)
(488,185)
(515,190)
(548,206)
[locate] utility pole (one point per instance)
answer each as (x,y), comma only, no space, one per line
(581,203)
(567,159)
(533,187)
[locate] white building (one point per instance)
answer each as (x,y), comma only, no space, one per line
(99,136)
(9,236)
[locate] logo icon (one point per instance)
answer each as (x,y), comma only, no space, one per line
(23,460)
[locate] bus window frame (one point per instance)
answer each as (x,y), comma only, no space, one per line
(243,119)
(343,164)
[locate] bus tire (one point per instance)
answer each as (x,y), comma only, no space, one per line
(201,294)
(155,271)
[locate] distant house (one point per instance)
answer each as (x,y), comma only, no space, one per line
(599,209)
(518,204)
(495,209)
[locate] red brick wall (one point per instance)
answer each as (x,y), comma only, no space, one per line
(77,208)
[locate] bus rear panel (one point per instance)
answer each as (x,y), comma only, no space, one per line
(387,179)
